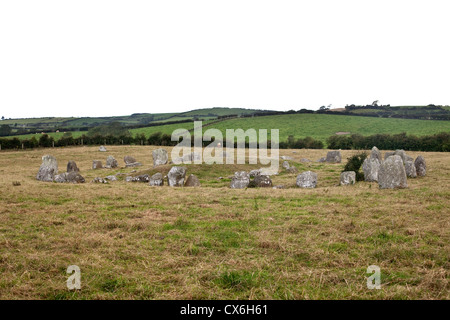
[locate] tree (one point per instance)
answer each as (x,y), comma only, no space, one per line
(3,117)
(5,130)
(375,103)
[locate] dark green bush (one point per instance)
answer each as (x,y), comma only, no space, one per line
(354,163)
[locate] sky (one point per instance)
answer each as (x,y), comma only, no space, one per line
(105,58)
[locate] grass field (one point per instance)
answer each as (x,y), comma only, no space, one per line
(133,241)
(318,126)
(322,126)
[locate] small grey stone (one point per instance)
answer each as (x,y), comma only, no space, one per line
(72,166)
(192,181)
(102,149)
(160,157)
(334,157)
(240,180)
(111,162)
(99,180)
(347,178)
(156,180)
(307,179)
(260,181)
(97,164)
(176,176)
(285,165)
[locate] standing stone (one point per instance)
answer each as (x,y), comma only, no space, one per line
(97,164)
(392,173)
(347,178)
(192,181)
(48,169)
(140,178)
(111,162)
(254,173)
(160,157)
(334,157)
(131,162)
(261,181)
(176,176)
(371,167)
(410,169)
(388,154)
(240,180)
(285,165)
(421,166)
(307,179)
(376,154)
(69,177)
(156,180)
(72,166)
(102,149)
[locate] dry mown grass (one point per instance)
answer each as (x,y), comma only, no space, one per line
(133,241)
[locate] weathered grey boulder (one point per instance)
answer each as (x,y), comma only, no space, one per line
(421,166)
(286,158)
(371,167)
(72,166)
(111,178)
(160,157)
(99,180)
(240,180)
(97,164)
(140,178)
(392,173)
(176,176)
(131,162)
(111,162)
(69,177)
(324,159)
(102,149)
(285,165)
(305,160)
(410,169)
(334,157)
(307,179)
(347,178)
(192,181)
(261,181)
(402,155)
(376,154)
(254,173)
(156,180)
(48,169)
(388,154)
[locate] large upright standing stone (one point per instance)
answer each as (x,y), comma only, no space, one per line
(192,181)
(392,173)
(160,157)
(376,154)
(334,157)
(240,180)
(176,176)
(421,166)
(307,179)
(48,169)
(371,167)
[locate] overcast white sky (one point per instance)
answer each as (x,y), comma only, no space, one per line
(101,58)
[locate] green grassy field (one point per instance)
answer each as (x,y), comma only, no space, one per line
(318,126)
(322,126)
(133,241)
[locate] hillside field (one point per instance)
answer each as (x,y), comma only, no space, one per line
(133,241)
(318,126)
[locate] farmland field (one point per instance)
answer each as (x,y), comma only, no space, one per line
(318,126)
(133,241)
